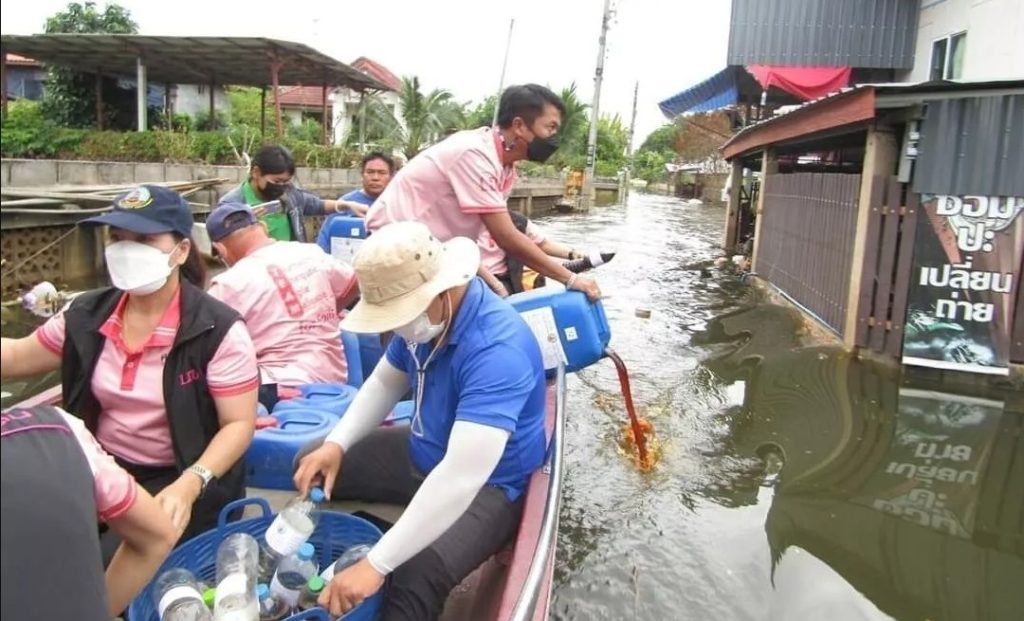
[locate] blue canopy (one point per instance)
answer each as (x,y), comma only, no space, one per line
(718,91)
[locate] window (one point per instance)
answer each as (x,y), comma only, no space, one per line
(948,57)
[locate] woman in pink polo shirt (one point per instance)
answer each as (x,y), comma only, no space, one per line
(160,372)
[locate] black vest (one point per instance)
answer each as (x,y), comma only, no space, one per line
(191,411)
(52,567)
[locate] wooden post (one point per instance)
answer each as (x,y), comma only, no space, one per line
(3,84)
(323,115)
(263,111)
(880,155)
(275,67)
(99,100)
(769,167)
(141,90)
(732,213)
(211,122)
(362,120)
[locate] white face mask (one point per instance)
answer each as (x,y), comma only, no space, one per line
(420,330)
(137,268)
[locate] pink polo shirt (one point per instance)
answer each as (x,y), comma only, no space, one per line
(492,257)
(114,489)
(448,186)
(288,294)
(128,383)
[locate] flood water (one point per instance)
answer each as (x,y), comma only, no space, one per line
(792,483)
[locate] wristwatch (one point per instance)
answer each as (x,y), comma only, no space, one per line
(205,475)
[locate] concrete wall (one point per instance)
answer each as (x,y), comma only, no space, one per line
(994,49)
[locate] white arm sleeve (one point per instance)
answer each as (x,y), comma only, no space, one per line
(474,450)
(371,405)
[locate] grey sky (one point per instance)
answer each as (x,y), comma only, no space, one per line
(458,44)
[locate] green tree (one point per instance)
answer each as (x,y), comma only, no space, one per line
(245,106)
(70,98)
(482,114)
(610,153)
(661,140)
(425,116)
(573,135)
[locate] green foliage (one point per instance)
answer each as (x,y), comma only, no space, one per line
(662,140)
(425,116)
(245,106)
(70,98)
(26,134)
(307,131)
(610,155)
(481,115)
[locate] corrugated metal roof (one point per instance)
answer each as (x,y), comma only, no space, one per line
(191,60)
(899,94)
(972,147)
(716,92)
(876,34)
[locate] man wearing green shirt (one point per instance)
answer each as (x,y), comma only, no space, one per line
(270,179)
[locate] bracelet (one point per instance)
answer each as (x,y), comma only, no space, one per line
(572,280)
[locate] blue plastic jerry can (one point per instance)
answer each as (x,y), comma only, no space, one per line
(568,327)
(347,234)
(332,399)
(268,462)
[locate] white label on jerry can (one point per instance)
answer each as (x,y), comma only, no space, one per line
(542,324)
(570,334)
(344,248)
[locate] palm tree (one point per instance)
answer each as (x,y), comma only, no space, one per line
(426,117)
(575,125)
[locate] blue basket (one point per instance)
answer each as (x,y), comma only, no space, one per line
(335,533)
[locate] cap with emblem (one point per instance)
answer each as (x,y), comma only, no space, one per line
(401,268)
(148,210)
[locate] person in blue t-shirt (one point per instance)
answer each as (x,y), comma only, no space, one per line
(477,432)
(377,170)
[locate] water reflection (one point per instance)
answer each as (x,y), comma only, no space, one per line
(915,498)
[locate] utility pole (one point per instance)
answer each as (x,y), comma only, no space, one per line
(504,66)
(587,195)
(629,146)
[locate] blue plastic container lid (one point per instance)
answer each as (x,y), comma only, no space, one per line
(306,551)
(317,495)
(262,592)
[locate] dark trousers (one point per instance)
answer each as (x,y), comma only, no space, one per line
(153,479)
(379,469)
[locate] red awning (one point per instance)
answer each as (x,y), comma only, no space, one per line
(804,82)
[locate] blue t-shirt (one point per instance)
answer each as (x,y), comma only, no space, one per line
(489,372)
(323,238)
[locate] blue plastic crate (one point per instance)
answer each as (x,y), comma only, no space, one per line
(335,533)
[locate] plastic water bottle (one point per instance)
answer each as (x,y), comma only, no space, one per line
(292,574)
(348,558)
(177,597)
(310,593)
(289,530)
(235,599)
(271,607)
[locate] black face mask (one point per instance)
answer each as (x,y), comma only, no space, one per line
(273,191)
(540,149)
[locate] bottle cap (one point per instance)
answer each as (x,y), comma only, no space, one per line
(262,592)
(210,597)
(316,494)
(306,551)
(316,584)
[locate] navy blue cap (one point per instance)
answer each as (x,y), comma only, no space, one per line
(220,223)
(147,210)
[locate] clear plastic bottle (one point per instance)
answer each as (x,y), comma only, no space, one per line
(177,597)
(271,606)
(348,558)
(236,579)
(289,530)
(293,573)
(310,593)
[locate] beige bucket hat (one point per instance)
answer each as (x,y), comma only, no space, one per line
(401,268)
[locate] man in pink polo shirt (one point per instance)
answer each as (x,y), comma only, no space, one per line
(460,186)
(289,295)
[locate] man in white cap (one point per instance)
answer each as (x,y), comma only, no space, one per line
(476,436)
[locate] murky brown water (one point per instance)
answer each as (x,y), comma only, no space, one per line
(793,484)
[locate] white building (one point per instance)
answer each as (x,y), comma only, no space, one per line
(973,40)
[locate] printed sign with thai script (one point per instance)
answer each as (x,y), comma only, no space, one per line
(966,273)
